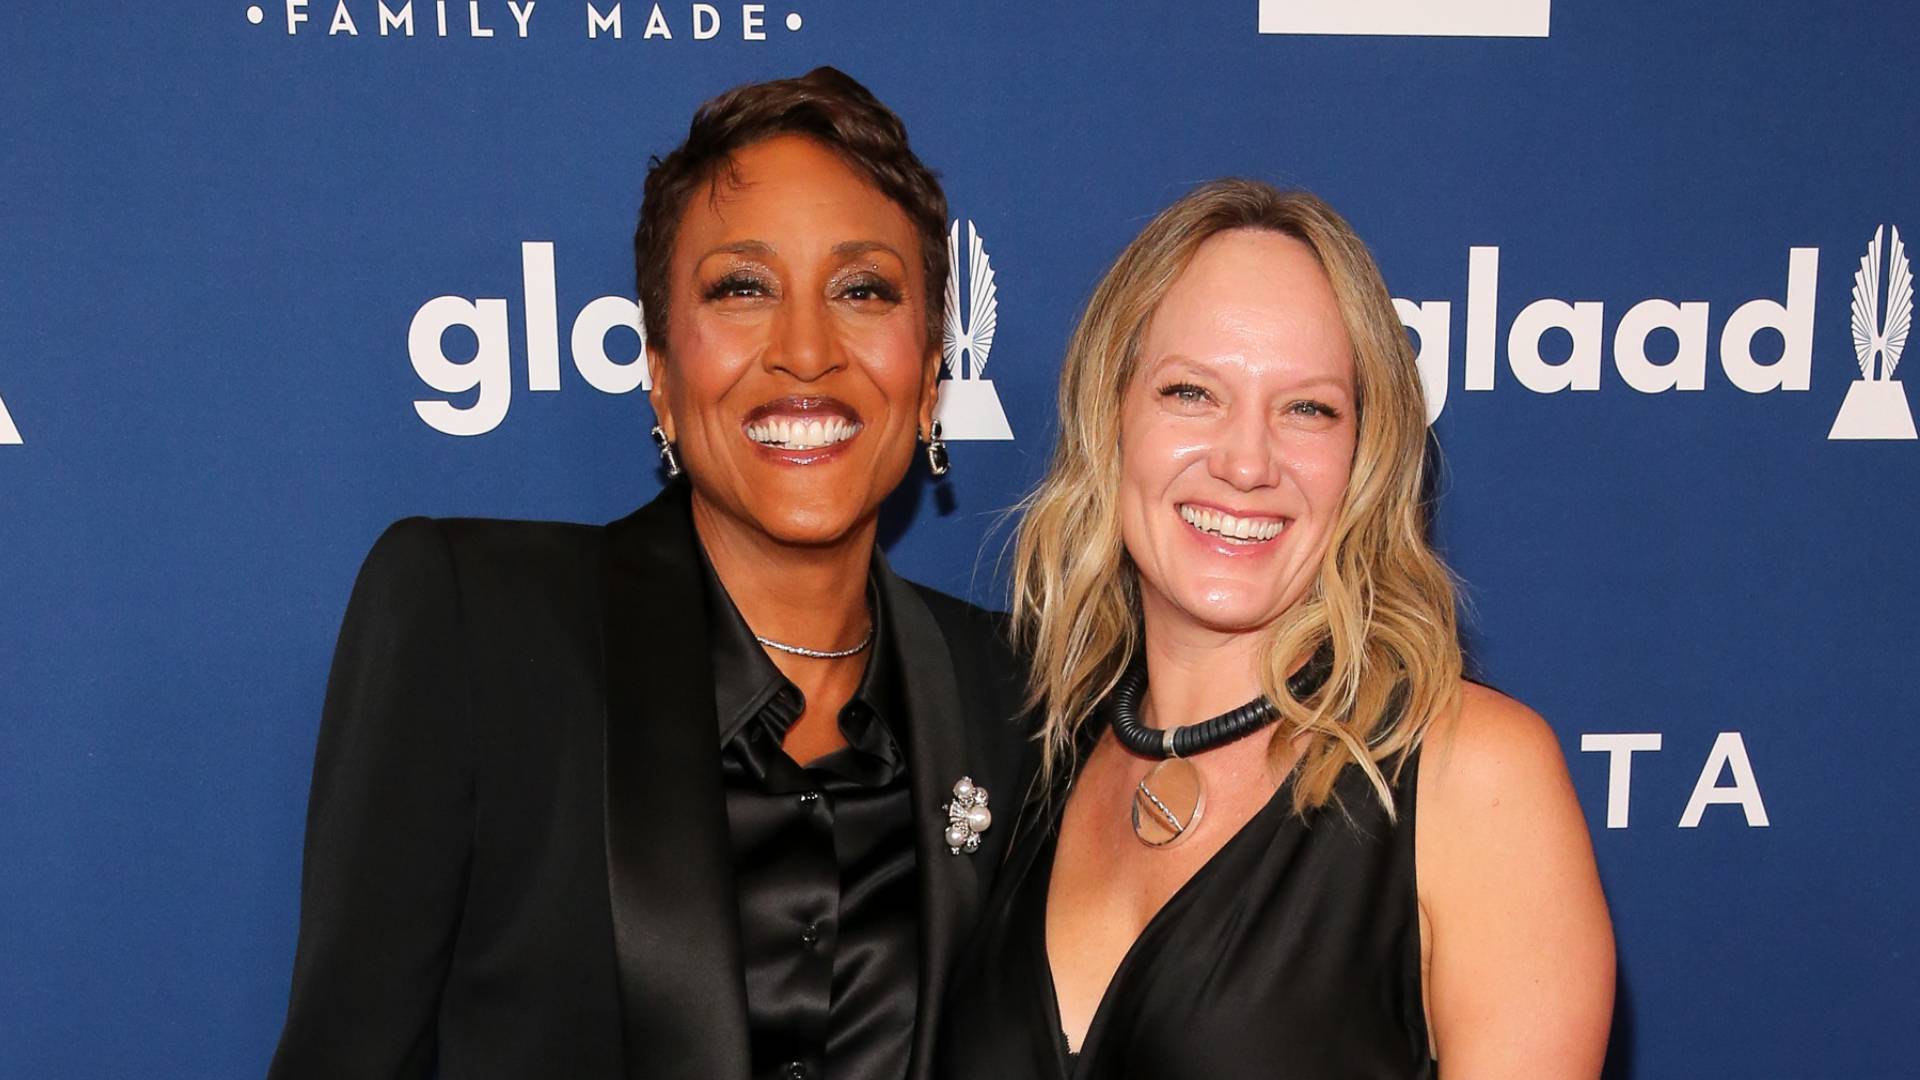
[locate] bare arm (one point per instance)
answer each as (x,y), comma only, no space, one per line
(1520,969)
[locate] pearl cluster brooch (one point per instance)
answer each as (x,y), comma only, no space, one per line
(967,816)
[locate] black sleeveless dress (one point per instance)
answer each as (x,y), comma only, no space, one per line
(1293,954)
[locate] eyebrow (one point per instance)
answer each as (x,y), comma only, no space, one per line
(1210,368)
(844,249)
(1327,381)
(741,247)
(863,247)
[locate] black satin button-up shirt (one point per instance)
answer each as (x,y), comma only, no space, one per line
(823,861)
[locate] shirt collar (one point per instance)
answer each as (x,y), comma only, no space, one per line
(746,680)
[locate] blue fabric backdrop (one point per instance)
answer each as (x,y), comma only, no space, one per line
(219,229)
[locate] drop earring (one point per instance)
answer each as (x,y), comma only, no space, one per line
(937,462)
(667,457)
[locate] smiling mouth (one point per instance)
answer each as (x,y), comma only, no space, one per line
(1231,528)
(802,424)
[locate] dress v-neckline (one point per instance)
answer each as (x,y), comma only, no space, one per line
(1070,1060)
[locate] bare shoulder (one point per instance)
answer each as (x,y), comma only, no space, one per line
(1514,923)
(1497,811)
(1492,749)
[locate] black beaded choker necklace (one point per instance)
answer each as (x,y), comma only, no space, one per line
(1169,800)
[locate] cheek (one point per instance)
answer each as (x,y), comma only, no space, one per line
(1151,456)
(1154,450)
(893,354)
(707,358)
(1135,481)
(1323,470)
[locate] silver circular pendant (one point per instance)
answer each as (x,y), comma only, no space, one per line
(1168,803)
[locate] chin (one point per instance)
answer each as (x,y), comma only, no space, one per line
(802,525)
(812,514)
(1233,607)
(1234,618)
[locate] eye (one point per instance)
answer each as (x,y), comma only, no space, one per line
(869,288)
(1314,409)
(738,285)
(1186,393)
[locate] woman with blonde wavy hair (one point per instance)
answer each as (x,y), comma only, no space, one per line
(1247,662)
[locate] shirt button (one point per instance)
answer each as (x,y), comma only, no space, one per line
(811,934)
(797,1070)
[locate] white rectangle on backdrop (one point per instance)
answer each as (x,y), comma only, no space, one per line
(1417,18)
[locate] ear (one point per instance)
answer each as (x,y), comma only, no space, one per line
(658,391)
(929,389)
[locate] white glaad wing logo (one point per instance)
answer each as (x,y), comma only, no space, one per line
(9,435)
(969,407)
(1876,404)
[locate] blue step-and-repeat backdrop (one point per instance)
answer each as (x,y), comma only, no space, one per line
(273,275)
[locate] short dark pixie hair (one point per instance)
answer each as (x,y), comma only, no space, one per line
(825,105)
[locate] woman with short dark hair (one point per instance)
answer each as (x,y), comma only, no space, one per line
(702,793)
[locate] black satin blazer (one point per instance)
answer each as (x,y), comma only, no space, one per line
(517,862)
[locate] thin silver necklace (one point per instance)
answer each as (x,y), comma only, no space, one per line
(818,654)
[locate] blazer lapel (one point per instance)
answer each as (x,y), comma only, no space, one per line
(939,752)
(669,865)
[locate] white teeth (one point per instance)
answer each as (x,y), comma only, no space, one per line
(1243,530)
(791,434)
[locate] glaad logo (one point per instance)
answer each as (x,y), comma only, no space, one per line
(1583,323)
(1412,18)
(1876,406)
(9,434)
(489,371)
(969,407)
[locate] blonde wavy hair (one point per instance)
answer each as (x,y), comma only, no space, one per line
(1381,602)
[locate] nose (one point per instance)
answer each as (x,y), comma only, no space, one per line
(1246,451)
(803,345)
